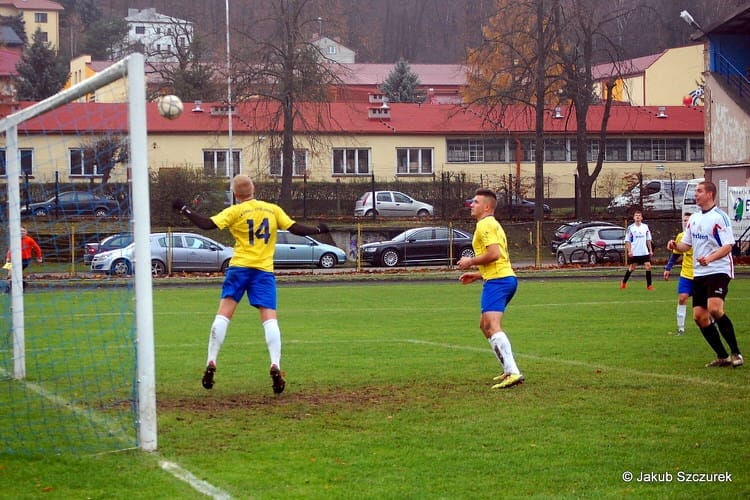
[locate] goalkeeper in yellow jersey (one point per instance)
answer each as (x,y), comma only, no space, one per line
(253,224)
(685,284)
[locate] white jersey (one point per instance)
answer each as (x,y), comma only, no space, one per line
(638,235)
(706,232)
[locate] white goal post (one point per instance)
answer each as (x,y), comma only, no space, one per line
(132,68)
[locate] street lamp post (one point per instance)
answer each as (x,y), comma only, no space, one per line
(230,167)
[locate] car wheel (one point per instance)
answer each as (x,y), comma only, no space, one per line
(369,213)
(390,258)
(560,258)
(100,212)
(40,212)
(120,267)
(423,213)
(327,261)
(466,252)
(224,266)
(158,268)
(592,259)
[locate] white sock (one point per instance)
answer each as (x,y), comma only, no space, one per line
(681,312)
(501,347)
(217,336)
(273,340)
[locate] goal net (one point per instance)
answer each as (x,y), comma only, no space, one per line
(76,351)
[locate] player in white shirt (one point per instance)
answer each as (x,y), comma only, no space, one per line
(709,234)
(639,249)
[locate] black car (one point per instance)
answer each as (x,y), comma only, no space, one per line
(564,232)
(113,242)
(73,203)
(421,245)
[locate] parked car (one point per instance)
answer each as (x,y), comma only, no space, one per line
(112,242)
(391,204)
(73,203)
(185,252)
(425,245)
(292,249)
(519,207)
(565,231)
(590,244)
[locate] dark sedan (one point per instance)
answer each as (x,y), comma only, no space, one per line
(422,245)
(73,203)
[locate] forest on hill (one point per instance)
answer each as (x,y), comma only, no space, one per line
(420,31)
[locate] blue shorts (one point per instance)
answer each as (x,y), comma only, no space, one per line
(685,285)
(259,285)
(497,293)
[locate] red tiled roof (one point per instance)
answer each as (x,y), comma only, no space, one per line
(33,4)
(9,58)
(338,118)
(628,67)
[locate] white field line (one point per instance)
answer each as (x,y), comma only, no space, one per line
(114,430)
(197,484)
(586,364)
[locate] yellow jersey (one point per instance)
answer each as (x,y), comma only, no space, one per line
(490,232)
(687,259)
(253,224)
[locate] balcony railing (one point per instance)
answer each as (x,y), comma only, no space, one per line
(734,77)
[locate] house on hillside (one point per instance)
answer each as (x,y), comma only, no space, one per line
(354,142)
(159,36)
(664,79)
(37,14)
(333,50)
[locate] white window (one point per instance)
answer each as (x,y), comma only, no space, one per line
(299,162)
(351,161)
(82,163)
(26,157)
(140,30)
(215,162)
(476,150)
(40,17)
(413,161)
(332,50)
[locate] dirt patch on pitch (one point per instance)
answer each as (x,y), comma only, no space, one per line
(363,397)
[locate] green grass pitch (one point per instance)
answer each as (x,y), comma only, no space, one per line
(388,396)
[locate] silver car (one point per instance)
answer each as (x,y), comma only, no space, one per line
(593,245)
(292,249)
(175,251)
(391,204)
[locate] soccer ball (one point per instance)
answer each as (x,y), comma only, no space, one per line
(170,107)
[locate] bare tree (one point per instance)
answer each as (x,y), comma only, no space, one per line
(514,65)
(581,39)
(280,64)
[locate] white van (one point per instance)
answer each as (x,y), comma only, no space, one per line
(688,199)
(660,196)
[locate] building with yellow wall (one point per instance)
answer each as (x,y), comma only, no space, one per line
(663,79)
(37,14)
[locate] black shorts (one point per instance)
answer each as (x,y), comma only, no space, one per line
(640,259)
(707,287)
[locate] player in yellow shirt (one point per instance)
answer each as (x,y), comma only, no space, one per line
(253,224)
(500,283)
(685,284)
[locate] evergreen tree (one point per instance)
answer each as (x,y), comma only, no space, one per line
(40,72)
(401,84)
